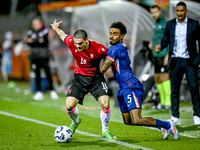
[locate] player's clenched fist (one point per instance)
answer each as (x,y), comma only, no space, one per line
(157,48)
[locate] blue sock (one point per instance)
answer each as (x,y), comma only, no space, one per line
(164,124)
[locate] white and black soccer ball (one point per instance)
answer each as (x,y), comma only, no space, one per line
(63,134)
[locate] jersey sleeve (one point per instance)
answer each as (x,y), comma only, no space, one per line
(69,40)
(112,53)
(104,50)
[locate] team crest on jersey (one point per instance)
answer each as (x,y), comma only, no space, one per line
(102,49)
(91,55)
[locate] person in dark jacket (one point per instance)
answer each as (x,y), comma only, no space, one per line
(182,35)
(38,41)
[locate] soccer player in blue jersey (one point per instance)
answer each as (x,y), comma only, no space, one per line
(131,91)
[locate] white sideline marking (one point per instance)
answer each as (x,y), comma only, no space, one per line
(77,131)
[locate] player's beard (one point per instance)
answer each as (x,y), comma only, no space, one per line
(114,42)
(111,43)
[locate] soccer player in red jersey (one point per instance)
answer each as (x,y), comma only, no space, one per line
(87,77)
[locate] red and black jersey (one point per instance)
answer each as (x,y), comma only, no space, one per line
(87,60)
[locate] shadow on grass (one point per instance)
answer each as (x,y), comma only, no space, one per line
(189,128)
(98,142)
(87,144)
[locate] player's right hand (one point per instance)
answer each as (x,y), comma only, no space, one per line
(157,48)
(55,24)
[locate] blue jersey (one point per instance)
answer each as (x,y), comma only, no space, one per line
(124,73)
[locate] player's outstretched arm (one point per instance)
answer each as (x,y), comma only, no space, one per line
(105,64)
(55,27)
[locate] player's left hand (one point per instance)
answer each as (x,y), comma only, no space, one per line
(55,24)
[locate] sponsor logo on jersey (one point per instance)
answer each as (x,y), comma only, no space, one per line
(129,104)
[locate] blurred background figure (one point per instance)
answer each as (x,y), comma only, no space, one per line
(8,41)
(38,41)
(7,48)
(160,60)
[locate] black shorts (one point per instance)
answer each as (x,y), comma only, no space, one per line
(81,85)
(159,67)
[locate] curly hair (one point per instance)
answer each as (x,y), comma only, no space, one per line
(119,25)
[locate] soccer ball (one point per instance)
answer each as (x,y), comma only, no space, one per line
(63,134)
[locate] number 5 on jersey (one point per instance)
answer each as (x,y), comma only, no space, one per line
(129,99)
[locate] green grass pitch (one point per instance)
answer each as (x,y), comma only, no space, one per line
(29,124)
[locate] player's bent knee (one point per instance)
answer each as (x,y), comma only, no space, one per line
(128,123)
(69,108)
(105,106)
(104,102)
(71,103)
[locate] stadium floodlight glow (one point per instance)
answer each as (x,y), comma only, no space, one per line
(68,9)
(174,1)
(118,1)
